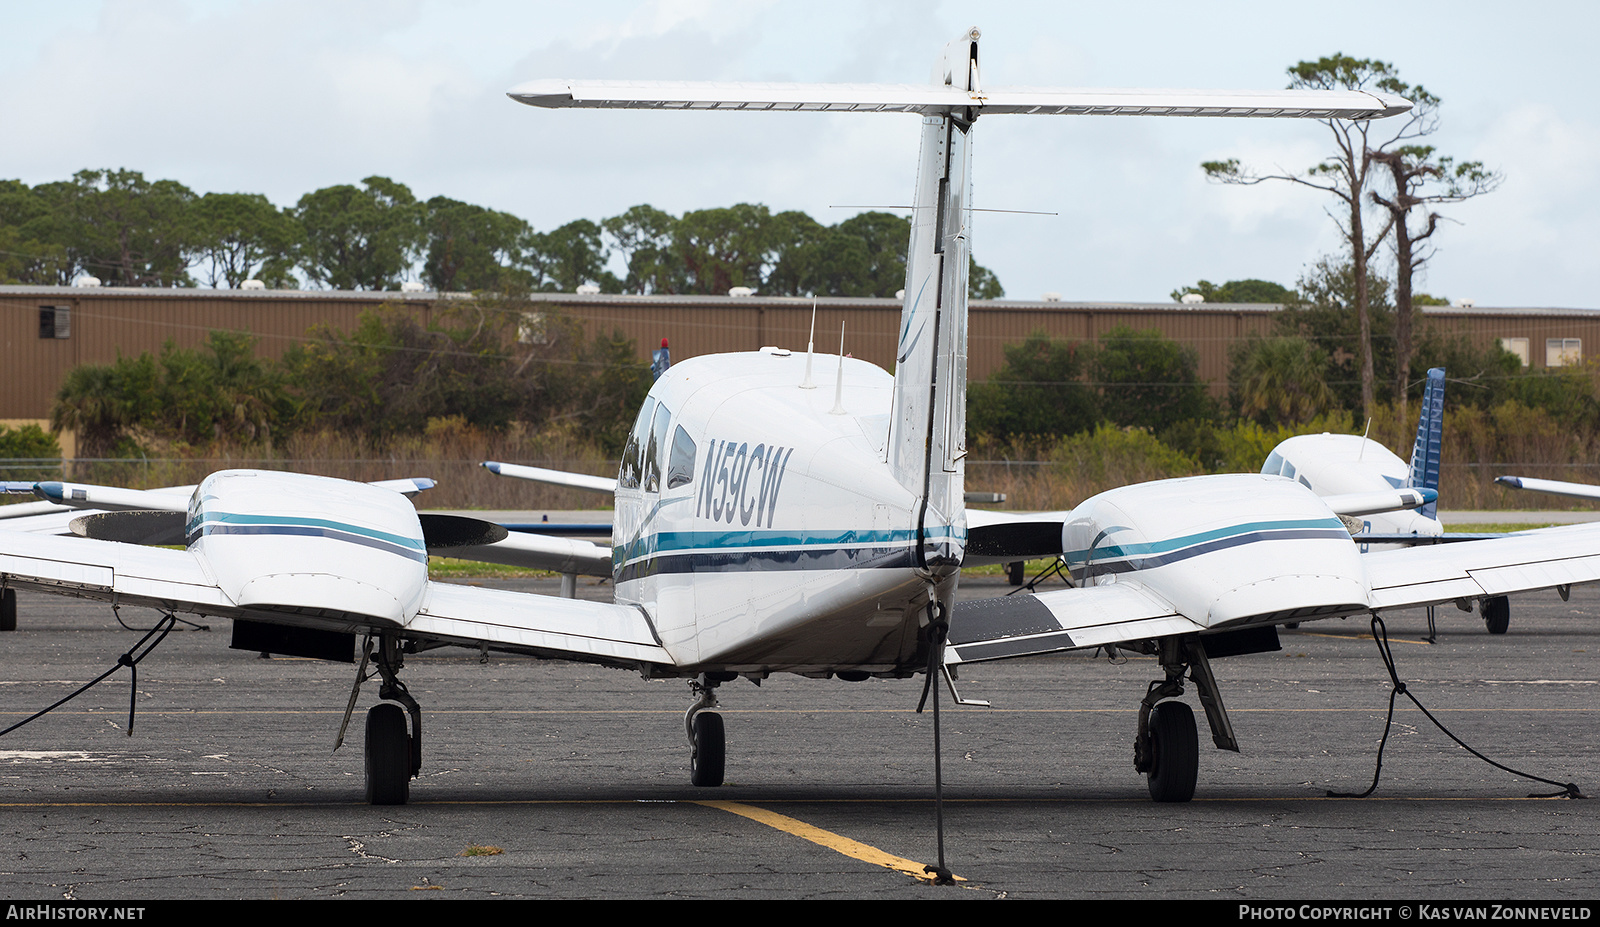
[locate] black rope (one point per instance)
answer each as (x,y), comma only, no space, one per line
(1380,634)
(169,616)
(938,626)
(129,659)
(1046,573)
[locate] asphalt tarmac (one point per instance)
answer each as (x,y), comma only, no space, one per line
(572,781)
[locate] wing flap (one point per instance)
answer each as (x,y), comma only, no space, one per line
(1068,619)
(111,571)
(599,632)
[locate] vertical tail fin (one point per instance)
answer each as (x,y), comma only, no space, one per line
(1426,451)
(927,436)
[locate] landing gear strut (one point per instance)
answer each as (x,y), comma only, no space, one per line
(392,756)
(1167,749)
(707,740)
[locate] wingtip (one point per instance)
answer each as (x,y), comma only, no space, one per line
(492,466)
(1515,482)
(1392,105)
(546,93)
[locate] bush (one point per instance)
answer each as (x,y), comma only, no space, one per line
(28,453)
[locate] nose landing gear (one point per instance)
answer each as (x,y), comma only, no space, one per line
(707,739)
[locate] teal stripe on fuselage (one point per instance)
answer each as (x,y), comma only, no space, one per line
(229,518)
(674,542)
(1189,540)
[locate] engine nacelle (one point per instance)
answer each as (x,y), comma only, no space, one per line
(1200,543)
(309,545)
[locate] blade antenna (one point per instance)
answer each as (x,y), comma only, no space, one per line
(811,346)
(838,383)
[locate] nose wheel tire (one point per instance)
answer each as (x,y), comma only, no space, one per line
(706,761)
(1174,753)
(388,755)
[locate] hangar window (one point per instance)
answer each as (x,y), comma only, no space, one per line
(1562,352)
(55,322)
(1517,346)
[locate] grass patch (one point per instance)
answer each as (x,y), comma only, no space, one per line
(450,568)
(1497,527)
(476,850)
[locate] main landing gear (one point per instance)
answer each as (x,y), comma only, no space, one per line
(1167,748)
(1497,613)
(393,757)
(707,740)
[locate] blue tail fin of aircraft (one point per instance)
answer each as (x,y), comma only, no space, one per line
(1430,439)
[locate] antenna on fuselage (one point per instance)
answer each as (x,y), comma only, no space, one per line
(811,346)
(838,383)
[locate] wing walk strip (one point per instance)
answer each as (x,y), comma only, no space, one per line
(825,838)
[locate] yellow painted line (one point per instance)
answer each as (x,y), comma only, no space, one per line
(915,870)
(1358,637)
(824,838)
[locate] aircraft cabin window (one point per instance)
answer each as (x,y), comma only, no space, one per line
(633,453)
(653,453)
(680,465)
(1273,465)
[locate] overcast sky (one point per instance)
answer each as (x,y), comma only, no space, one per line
(285,96)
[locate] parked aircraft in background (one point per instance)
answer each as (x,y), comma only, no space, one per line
(1330,464)
(765,524)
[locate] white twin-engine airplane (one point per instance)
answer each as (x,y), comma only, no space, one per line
(766,523)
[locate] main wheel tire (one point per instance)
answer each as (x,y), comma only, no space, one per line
(388,755)
(1497,614)
(8,609)
(1016,572)
(1174,752)
(706,762)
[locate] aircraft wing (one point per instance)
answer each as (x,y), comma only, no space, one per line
(1554,487)
(540,552)
(65,502)
(1065,619)
(548,626)
(583,481)
(1529,560)
(178,581)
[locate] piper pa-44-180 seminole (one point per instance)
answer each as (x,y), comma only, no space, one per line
(765,524)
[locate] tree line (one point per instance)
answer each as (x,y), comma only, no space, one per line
(483,364)
(126,230)
(1304,375)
